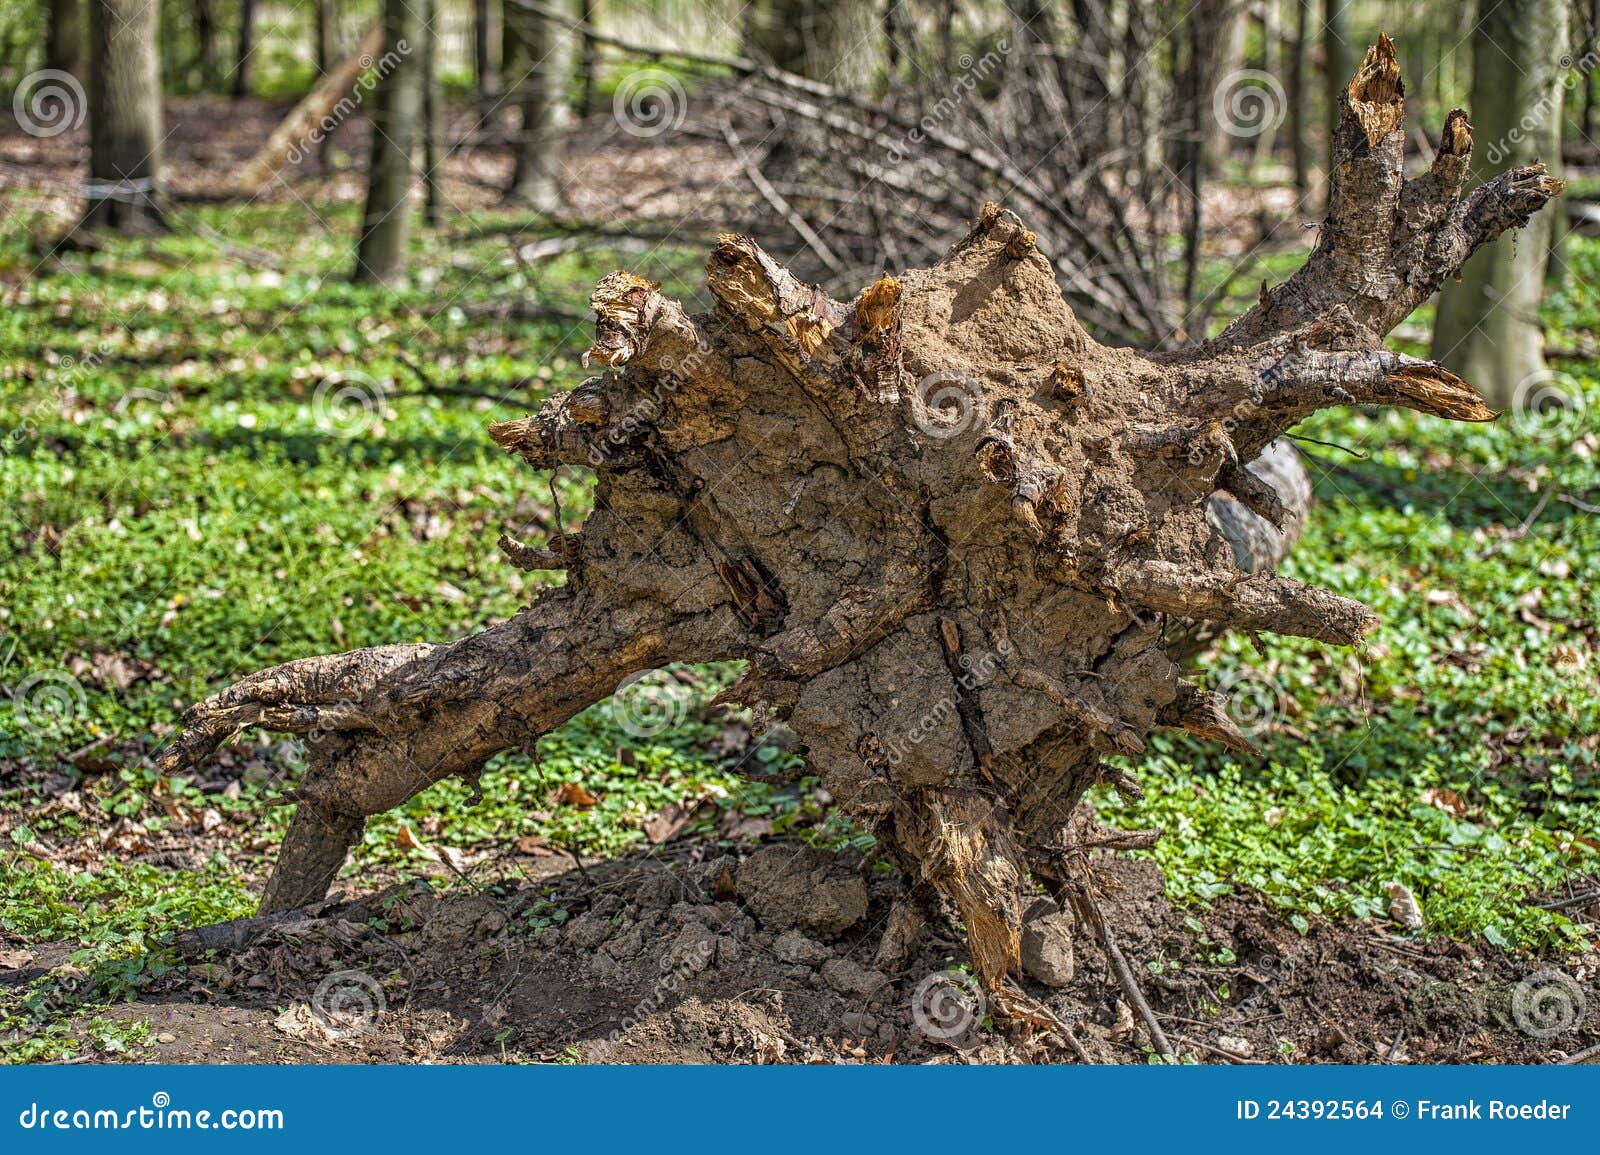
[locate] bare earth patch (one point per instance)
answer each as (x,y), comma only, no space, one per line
(699,959)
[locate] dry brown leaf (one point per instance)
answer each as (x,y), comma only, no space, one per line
(1447,800)
(572,794)
(669,821)
(535,845)
(1123,1027)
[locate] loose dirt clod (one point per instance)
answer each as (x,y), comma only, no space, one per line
(944,527)
(1047,954)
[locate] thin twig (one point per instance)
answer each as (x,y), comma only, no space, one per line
(1569,902)
(1089,911)
(1587,1055)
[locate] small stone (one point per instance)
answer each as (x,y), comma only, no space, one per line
(692,951)
(1047,954)
(858,1023)
(588,931)
(798,886)
(1234,1045)
(166,1037)
(794,947)
(849,978)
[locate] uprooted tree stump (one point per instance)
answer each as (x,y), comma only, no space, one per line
(944,527)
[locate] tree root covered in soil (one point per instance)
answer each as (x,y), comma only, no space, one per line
(946,529)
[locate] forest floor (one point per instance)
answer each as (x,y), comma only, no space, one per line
(217,454)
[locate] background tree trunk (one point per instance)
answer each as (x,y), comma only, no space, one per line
(837,42)
(326,33)
(1488,323)
(1339,61)
(1591,38)
(125,191)
(588,59)
(1272,58)
(1218,46)
(432,117)
(205,39)
(396,116)
(1299,94)
(539,71)
(63,48)
(486,41)
(243,62)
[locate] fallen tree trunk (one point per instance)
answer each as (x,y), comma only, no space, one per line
(945,528)
(298,130)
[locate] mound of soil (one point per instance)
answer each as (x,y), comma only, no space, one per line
(707,958)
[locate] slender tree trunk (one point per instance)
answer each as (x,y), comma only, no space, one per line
(125,132)
(1339,61)
(486,17)
(325,35)
(1591,39)
(63,48)
(1272,64)
(588,59)
(1218,46)
(396,113)
(1299,94)
(432,201)
(244,59)
(539,70)
(1488,324)
(327,47)
(205,39)
(1191,155)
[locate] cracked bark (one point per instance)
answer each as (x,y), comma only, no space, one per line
(945,528)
